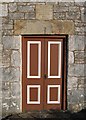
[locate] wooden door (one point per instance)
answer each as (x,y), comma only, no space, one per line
(43,73)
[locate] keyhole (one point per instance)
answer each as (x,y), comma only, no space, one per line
(45,76)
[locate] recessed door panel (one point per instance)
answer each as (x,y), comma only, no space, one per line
(33,59)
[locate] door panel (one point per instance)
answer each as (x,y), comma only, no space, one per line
(33,59)
(42,73)
(54,59)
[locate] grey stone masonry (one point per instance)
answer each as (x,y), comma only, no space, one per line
(44,17)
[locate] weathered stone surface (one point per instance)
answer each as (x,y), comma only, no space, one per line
(7,32)
(5,20)
(79,56)
(74,9)
(16,16)
(76,96)
(12,7)
(1,48)
(44,12)
(5,86)
(83,14)
(76,70)
(71,57)
(60,9)
(7,26)
(22,3)
(6,58)
(6,94)
(32,27)
(11,42)
(66,3)
(60,16)
(11,74)
(15,89)
(79,23)
(81,30)
(72,82)
(30,16)
(14,105)
(3,9)
(71,15)
(80,3)
(62,27)
(76,42)
(28,8)
(5,106)
(15,58)
(81,82)
(28,27)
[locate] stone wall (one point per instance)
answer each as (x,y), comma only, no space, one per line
(42,18)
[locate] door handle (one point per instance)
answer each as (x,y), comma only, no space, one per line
(45,76)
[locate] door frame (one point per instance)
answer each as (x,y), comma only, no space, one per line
(64,83)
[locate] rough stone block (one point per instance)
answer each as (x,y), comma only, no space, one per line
(76,70)
(28,8)
(76,42)
(60,16)
(75,107)
(62,26)
(15,58)
(11,42)
(80,3)
(71,57)
(5,20)
(7,26)
(74,9)
(72,82)
(71,15)
(77,96)
(14,105)
(1,47)
(79,56)
(6,94)
(80,29)
(79,23)
(5,106)
(7,32)
(15,89)
(11,74)
(44,12)
(4,10)
(22,3)
(16,16)
(32,27)
(60,9)
(81,82)
(6,58)
(5,86)
(12,7)
(66,3)
(83,14)
(30,16)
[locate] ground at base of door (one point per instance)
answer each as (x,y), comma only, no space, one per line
(50,114)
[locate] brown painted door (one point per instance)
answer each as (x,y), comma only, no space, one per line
(42,72)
